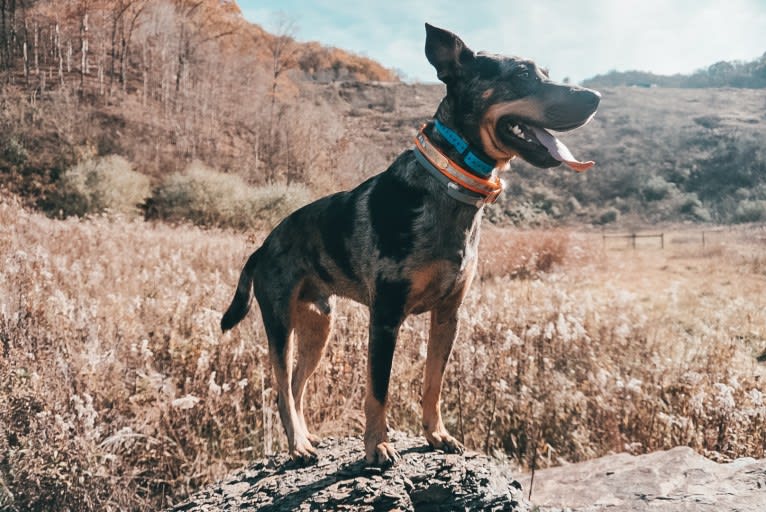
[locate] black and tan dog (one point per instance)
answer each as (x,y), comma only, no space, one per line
(404,242)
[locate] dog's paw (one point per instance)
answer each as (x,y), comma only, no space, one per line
(303,452)
(441,440)
(382,455)
(313,439)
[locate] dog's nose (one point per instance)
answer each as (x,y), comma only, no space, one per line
(589,97)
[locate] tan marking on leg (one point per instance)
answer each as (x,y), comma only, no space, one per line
(442,335)
(312,331)
(378,450)
(299,446)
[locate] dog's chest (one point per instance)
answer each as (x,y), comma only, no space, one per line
(446,274)
(439,282)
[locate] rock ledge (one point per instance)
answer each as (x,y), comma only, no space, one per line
(423,480)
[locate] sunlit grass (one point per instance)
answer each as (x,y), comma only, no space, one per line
(119,392)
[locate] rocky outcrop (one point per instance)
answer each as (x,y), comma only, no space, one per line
(671,481)
(422,480)
(425,480)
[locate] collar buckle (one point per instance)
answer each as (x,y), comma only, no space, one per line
(492,196)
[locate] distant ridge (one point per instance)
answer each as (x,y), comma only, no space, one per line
(744,75)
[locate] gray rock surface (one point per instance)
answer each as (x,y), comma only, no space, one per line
(670,481)
(422,480)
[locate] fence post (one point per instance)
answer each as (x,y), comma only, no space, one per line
(662,240)
(634,241)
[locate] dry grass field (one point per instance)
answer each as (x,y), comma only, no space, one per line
(120,393)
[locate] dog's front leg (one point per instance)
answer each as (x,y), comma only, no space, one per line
(444,328)
(386,315)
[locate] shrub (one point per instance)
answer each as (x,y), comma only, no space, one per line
(750,211)
(13,152)
(657,188)
(693,207)
(608,216)
(209,198)
(98,185)
(522,254)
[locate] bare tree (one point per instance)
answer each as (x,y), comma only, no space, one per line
(83,43)
(283,50)
(4,43)
(8,10)
(195,31)
(124,16)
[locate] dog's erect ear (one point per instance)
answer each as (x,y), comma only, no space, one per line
(446,52)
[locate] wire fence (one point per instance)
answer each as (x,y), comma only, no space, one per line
(703,237)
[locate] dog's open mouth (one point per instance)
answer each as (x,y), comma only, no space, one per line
(539,146)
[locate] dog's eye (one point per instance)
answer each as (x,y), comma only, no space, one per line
(524,75)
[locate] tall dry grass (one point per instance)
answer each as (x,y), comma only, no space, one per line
(119,392)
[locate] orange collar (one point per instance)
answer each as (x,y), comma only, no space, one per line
(461,184)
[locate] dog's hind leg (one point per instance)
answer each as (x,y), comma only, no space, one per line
(444,328)
(313,324)
(276,320)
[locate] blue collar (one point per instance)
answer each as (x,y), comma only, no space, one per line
(475,163)
(460,184)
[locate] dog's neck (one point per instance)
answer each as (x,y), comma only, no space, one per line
(467,174)
(471,158)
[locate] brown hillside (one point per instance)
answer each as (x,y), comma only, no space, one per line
(162,83)
(223,18)
(167,82)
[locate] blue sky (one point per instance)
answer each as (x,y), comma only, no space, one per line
(575,39)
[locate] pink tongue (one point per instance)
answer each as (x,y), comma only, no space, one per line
(559,151)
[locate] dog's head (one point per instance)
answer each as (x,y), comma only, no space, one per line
(506,105)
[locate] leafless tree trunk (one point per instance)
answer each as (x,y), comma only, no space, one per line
(282,49)
(4,43)
(83,50)
(283,52)
(7,34)
(26,63)
(59,55)
(12,37)
(121,33)
(36,49)
(118,25)
(183,56)
(145,74)
(125,45)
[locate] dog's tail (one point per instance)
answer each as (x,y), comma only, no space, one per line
(240,305)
